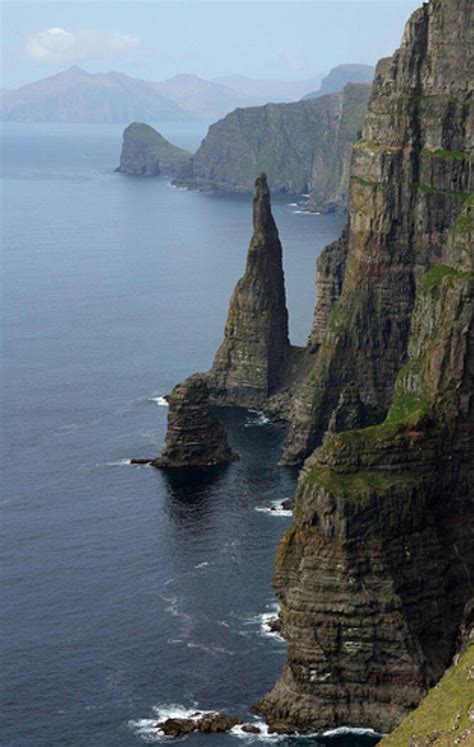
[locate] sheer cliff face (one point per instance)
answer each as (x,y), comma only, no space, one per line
(249,363)
(303,147)
(409,177)
(377,568)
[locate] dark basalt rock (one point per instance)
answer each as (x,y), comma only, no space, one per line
(138,460)
(206,723)
(251,729)
(249,364)
(352,413)
(195,437)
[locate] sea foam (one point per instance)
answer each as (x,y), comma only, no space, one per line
(275,509)
(160,401)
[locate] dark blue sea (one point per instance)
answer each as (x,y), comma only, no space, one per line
(129,593)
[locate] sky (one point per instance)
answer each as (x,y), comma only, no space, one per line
(282,39)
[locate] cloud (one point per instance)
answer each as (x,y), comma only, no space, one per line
(58,45)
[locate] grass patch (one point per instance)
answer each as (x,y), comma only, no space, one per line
(348,484)
(339,318)
(407,406)
(426,189)
(442,153)
(444,713)
(365,182)
(433,277)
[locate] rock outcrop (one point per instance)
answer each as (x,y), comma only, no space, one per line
(147,153)
(250,362)
(375,572)
(203,722)
(304,148)
(411,173)
(195,437)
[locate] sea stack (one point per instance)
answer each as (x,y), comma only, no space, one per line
(195,437)
(147,153)
(248,365)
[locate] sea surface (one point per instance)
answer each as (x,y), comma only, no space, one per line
(129,593)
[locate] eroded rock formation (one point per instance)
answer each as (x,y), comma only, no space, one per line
(195,437)
(249,364)
(147,153)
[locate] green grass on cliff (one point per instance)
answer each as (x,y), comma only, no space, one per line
(428,190)
(141,133)
(407,406)
(349,483)
(433,277)
(443,718)
(442,153)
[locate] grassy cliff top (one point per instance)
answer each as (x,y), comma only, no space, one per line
(141,133)
(446,715)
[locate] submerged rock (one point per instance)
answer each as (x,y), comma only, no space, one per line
(248,365)
(195,437)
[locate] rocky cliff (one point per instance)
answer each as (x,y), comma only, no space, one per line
(194,437)
(410,174)
(304,147)
(374,574)
(249,364)
(147,153)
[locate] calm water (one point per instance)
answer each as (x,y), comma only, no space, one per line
(127,592)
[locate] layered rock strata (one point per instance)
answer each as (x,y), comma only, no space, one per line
(147,153)
(304,147)
(410,175)
(251,360)
(446,716)
(195,437)
(375,572)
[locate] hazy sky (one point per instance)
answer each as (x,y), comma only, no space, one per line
(286,39)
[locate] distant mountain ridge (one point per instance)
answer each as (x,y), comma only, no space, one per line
(74,95)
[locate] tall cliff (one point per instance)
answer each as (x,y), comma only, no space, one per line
(375,572)
(304,147)
(410,175)
(249,364)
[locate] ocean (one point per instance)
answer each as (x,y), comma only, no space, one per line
(127,592)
